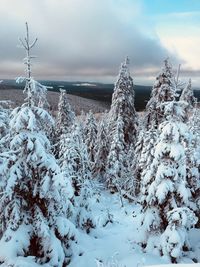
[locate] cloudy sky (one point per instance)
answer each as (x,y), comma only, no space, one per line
(87,39)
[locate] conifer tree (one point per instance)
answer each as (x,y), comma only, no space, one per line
(193,158)
(101,148)
(164,186)
(33,205)
(76,166)
(123,105)
(5,111)
(192,147)
(162,91)
(90,135)
(65,116)
(116,162)
(175,238)
(145,158)
(64,121)
(187,95)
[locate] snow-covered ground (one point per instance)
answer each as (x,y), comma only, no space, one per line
(114,245)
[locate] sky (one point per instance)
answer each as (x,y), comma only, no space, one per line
(86,40)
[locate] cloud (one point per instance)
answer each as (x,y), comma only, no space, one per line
(78,38)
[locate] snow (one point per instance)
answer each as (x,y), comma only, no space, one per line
(85,84)
(116,242)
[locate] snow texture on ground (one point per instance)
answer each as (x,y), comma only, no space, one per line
(114,245)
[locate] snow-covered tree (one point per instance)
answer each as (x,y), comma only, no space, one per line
(34,201)
(101,148)
(193,158)
(187,95)
(116,170)
(65,116)
(74,161)
(162,91)
(5,110)
(64,121)
(164,185)
(36,92)
(146,144)
(90,135)
(174,240)
(192,146)
(123,105)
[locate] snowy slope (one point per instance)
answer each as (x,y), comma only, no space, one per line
(113,245)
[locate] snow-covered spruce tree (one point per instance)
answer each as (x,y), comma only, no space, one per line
(162,91)
(193,159)
(65,119)
(192,147)
(34,201)
(116,170)
(90,135)
(123,105)
(164,185)
(175,238)
(75,164)
(187,95)
(145,158)
(101,148)
(5,110)
(65,116)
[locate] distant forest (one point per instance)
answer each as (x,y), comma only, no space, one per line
(97,91)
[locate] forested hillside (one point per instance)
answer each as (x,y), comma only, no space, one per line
(123,190)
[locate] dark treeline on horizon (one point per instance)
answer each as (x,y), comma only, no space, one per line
(96,91)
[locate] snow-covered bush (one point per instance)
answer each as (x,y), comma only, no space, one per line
(174,240)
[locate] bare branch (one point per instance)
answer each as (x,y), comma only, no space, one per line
(23,44)
(32,45)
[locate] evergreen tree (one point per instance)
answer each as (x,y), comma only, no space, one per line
(192,146)
(162,91)
(175,238)
(65,116)
(123,105)
(76,166)
(164,186)
(5,110)
(101,148)
(90,135)
(146,156)
(33,205)
(193,159)
(187,95)
(64,121)
(116,162)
